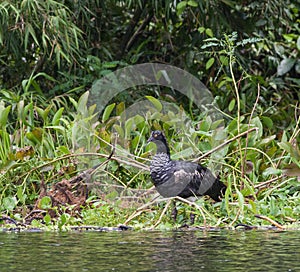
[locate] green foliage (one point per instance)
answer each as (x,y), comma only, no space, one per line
(51,52)
(33,33)
(245,197)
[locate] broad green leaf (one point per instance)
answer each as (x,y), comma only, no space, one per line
(120,108)
(41,113)
(209,63)
(111,64)
(267,140)
(267,121)
(20,109)
(57,116)
(50,78)
(240,200)
(4,111)
(201,29)
(73,101)
(217,124)
(92,109)
(253,206)
(204,126)
(30,136)
(192,3)
(47,219)
(38,133)
(82,103)
(231,105)
(63,219)
(284,137)
(138,119)
(204,146)
(181,5)
(183,154)
(20,194)
(285,65)
(119,130)
(9,203)
(28,116)
(135,142)
(279,49)
(63,149)
(45,203)
(271,171)
(224,60)
(58,128)
(107,112)
(257,123)
(286,146)
(105,136)
(128,127)
(209,32)
(156,103)
(289,37)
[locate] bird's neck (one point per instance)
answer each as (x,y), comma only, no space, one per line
(162,148)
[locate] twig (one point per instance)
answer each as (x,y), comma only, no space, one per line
(129,37)
(134,215)
(138,31)
(232,60)
(163,213)
(247,137)
(235,218)
(290,219)
(7,218)
(273,222)
(225,143)
(194,205)
(113,149)
(33,212)
(262,184)
(141,209)
(85,176)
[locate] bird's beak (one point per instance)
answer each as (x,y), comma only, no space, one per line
(150,139)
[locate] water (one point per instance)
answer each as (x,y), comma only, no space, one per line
(151,251)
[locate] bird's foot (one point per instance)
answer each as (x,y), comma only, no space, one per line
(192,218)
(174,213)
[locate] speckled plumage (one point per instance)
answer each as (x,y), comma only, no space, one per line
(181,178)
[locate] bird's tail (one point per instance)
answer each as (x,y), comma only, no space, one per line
(217,190)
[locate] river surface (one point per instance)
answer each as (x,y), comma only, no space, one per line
(151,251)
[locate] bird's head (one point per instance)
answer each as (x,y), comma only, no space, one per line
(157,135)
(160,140)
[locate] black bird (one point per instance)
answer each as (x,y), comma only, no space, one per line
(181,178)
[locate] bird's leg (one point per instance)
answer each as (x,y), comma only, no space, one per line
(192,218)
(174,211)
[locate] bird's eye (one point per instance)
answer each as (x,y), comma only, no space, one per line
(155,135)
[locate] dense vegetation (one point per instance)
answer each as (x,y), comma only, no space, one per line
(52,52)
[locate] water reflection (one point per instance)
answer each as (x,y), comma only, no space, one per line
(151,251)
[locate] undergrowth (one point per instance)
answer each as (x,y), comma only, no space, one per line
(63,141)
(55,143)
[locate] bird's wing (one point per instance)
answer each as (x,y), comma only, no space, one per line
(175,179)
(179,175)
(198,179)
